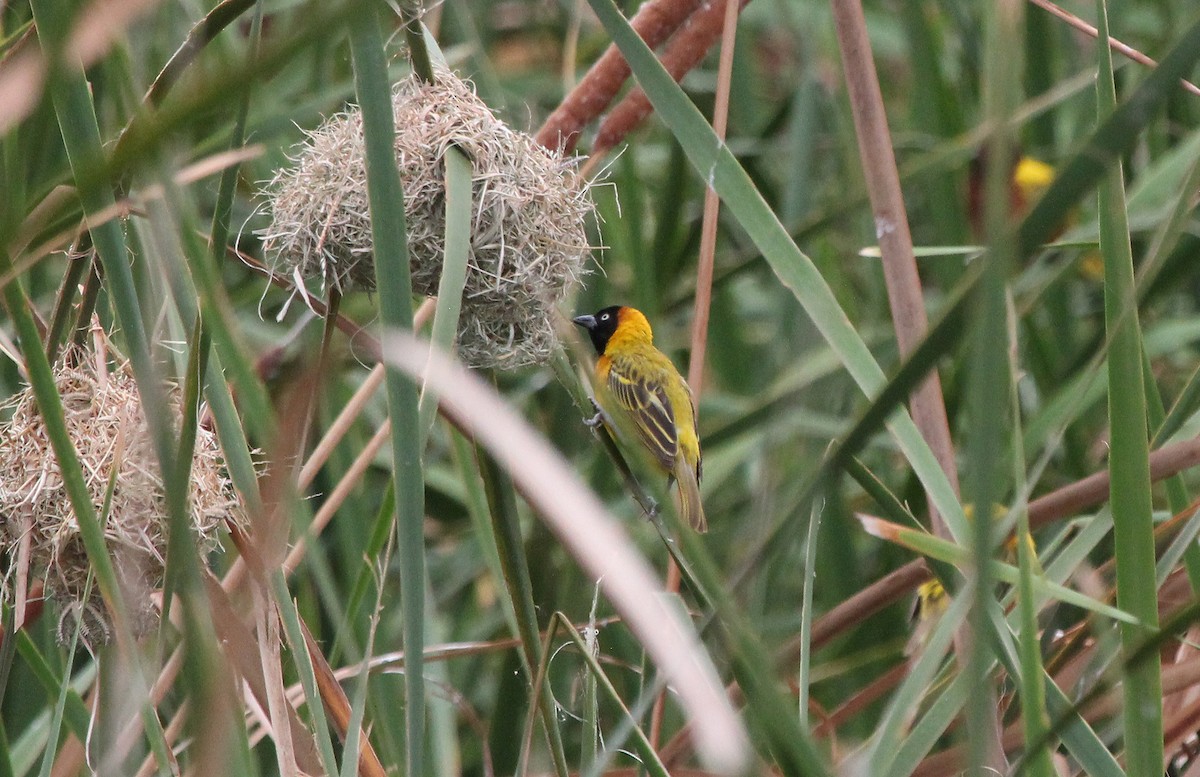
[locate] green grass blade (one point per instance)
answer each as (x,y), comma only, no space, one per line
(454,268)
(1033,693)
(76,713)
(56,719)
(948,552)
(302,661)
(590,736)
(72,99)
(884,747)
(381,529)
(1129,463)
(6,757)
(988,386)
(1079,737)
(389,238)
(810,571)
(505,529)
(481,523)
(930,728)
(1034,717)
(649,757)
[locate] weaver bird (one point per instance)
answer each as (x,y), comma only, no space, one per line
(932,602)
(1029,179)
(637,382)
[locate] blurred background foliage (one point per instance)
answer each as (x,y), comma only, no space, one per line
(774,394)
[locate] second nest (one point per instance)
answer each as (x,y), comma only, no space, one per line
(529,211)
(112,439)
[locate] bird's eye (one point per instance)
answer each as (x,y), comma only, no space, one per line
(604,317)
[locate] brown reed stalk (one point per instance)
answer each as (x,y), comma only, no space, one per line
(684,51)
(655,21)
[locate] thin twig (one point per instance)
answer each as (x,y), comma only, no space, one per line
(1116,45)
(712,203)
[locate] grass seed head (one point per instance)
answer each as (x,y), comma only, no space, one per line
(528,214)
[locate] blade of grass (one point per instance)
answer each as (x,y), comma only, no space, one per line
(390,241)
(930,728)
(381,529)
(6,757)
(989,386)
(647,755)
(72,98)
(1079,737)
(505,531)
(60,704)
(358,757)
(810,570)
(1178,497)
(183,577)
(940,549)
(454,270)
(76,712)
(590,648)
(8,648)
(302,660)
(1034,717)
(883,748)
(1129,462)
(481,522)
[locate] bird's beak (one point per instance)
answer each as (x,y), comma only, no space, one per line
(587,322)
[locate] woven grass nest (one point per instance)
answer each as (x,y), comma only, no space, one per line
(106,423)
(529,210)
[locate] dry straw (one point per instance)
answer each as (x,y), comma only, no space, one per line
(530,207)
(106,423)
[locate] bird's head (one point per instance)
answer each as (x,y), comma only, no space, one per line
(604,324)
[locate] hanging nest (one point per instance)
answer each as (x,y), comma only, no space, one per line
(529,211)
(109,430)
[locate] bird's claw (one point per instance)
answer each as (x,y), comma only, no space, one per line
(652,508)
(595,421)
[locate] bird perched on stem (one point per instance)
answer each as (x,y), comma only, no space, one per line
(637,382)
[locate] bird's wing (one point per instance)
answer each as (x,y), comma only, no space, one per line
(651,411)
(691,398)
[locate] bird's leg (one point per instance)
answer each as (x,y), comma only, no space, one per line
(595,421)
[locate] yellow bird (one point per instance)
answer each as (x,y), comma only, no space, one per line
(637,382)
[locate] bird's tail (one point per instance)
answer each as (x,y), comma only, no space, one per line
(688,499)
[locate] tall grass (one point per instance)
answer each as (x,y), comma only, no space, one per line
(469,561)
